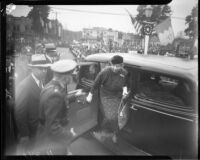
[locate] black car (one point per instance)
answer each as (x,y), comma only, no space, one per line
(162,112)
(50,50)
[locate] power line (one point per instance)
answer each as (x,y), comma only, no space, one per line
(107,13)
(93,12)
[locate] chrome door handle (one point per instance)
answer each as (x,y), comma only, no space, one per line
(133,107)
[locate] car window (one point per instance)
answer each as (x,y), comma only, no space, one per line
(87,75)
(51,52)
(164,89)
(89,72)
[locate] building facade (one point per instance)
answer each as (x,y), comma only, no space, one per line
(19,27)
(19,33)
(112,38)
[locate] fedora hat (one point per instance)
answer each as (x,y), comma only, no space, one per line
(39,60)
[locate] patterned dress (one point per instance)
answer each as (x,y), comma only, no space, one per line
(111,85)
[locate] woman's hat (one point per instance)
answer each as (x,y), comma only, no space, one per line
(39,60)
(63,66)
(117,59)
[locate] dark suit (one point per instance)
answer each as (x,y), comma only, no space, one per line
(11,128)
(53,110)
(26,109)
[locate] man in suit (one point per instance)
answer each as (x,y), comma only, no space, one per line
(52,131)
(27,98)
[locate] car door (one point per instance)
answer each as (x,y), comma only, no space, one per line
(83,115)
(161,123)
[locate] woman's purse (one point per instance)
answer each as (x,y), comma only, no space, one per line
(123,114)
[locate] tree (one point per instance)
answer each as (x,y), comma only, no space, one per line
(39,15)
(160,13)
(192,29)
(191,20)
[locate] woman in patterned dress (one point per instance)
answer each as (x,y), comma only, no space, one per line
(111,82)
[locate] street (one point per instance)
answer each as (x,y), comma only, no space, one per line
(85,145)
(65,53)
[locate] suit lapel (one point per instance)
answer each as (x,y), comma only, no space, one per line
(35,89)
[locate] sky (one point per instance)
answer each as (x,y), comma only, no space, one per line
(76,17)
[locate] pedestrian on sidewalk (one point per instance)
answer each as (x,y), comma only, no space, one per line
(27,98)
(112,83)
(53,136)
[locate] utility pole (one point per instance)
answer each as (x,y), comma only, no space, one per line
(56,27)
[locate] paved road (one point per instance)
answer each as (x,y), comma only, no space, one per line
(65,53)
(85,145)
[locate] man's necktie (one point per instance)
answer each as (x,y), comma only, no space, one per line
(40,85)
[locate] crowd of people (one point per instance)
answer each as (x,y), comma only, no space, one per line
(81,51)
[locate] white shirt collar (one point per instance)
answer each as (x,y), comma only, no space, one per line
(36,80)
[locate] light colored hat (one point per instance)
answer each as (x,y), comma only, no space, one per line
(148,7)
(39,60)
(63,66)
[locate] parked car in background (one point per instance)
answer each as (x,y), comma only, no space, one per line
(39,48)
(50,50)
(141,51)
(170,54)
(162,105)
(182,54)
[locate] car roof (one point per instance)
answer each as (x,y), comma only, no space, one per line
(169,65)
(85,63)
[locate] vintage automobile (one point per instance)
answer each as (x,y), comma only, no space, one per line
(50,50)
(162,106)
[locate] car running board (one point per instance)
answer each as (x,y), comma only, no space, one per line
(122,148)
